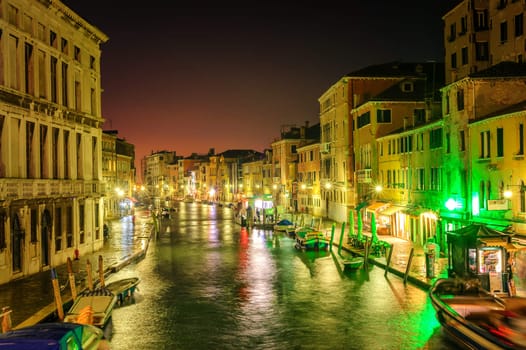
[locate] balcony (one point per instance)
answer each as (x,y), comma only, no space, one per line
(45,188)
(364,176)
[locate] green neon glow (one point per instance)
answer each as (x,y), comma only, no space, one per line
(451,204)
(475,204)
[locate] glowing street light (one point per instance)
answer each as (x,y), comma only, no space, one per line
(451,204)
(119,192)
(212,193)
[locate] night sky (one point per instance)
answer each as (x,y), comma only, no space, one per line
(222,75)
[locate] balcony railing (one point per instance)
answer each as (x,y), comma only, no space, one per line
(44,188)
(364,176)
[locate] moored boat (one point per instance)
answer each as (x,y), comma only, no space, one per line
(284,225)
(314,240)
(477,319)
(301,231)
(92,307)
(123,288)
(54,336)
(352,263)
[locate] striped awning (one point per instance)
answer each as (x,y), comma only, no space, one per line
(493,242)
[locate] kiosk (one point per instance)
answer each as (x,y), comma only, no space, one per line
(477,251)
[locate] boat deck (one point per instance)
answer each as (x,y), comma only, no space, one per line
(467,305)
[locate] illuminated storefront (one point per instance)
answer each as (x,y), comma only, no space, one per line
(477,251)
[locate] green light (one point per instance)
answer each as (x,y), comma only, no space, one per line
(451,204)
(475,203)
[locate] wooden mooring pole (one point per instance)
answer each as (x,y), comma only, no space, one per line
(389,256)
(408,267)
(56,292)
(6,319)
(101,271)
(90,277)
(71,275)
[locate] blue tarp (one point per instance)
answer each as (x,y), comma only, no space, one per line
(284,222)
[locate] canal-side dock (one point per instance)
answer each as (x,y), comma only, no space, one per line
(31,299)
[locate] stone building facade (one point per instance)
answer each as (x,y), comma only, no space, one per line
(51,189)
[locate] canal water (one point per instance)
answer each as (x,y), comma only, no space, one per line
(207,283)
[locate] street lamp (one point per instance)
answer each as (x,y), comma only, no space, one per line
(451,204)
(120,195)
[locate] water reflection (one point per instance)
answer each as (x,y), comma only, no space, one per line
(207,283)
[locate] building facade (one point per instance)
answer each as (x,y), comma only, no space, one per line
(51,184)
(285,163)
(308,181)
(156,177)
(118,173)
(479,34)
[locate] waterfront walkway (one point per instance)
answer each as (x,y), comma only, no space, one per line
(31,299)
(407,259)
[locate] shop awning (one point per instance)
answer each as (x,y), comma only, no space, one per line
(393,209)
(497,242)
(493,241)
(375,206)
(510,247)
(131,199)
(415,212)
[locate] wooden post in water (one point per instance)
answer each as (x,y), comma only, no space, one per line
(90,277)
(101,271)
(389,256)
(6,319)
(341,238)
(366,253)
(71,275)
(56,292)
(408,267)
(332,235)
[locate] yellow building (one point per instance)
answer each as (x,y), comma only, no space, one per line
(409,171)
(252,185)
(118,173)
(401,161)
(337,193)
(308,180)
(481,33)
(498,168)
(465,101)
(156,177)
(284,164)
